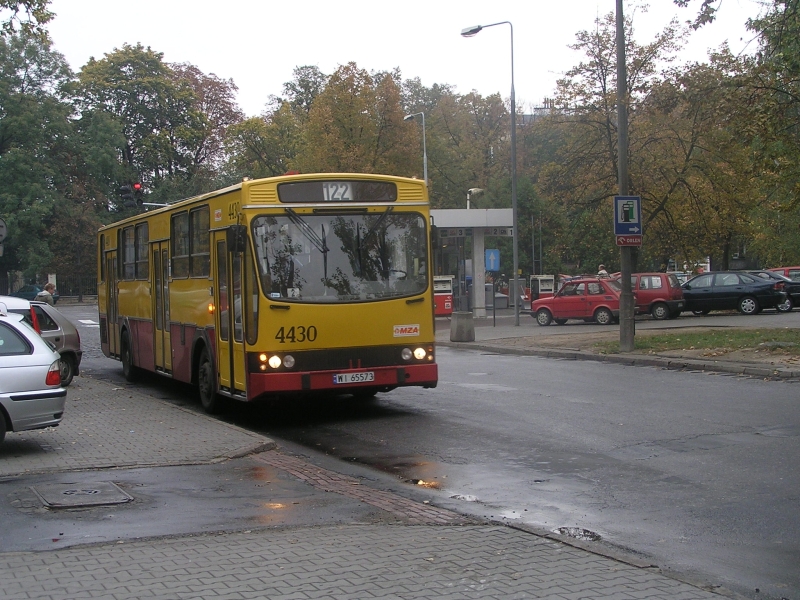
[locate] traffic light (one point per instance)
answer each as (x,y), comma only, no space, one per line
(126,194)
(138,191)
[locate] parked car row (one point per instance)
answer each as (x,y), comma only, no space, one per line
(55,328)
(31,394)
(664,297)
(727,290)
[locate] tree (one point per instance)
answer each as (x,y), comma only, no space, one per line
(775,89)
(157,110)
(36,147)
(215,101)
(36,17)
(267,145)
(301,92)
(356,125)
(581,173)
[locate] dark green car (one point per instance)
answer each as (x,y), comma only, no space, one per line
(29,292)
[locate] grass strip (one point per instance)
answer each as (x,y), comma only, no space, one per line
(784,341)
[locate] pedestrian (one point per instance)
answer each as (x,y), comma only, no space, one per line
(601,271)
(46,295)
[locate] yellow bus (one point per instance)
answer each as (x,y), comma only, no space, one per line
(299,284)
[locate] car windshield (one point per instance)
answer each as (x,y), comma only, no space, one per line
(614,284)
(341,257)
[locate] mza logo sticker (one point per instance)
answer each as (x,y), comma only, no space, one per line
(406,330)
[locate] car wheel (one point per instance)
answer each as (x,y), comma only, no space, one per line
(2,427)
(543,317)
(560,321)
(67,364)
(787,305)
(700,313)
(206,384)
(660,311)
(748,305)
(603,316)
(128,368)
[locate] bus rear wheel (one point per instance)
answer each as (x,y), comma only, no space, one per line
(128,369)
(206,384)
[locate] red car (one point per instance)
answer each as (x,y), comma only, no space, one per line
(590,299)
(792,273)
(658,294)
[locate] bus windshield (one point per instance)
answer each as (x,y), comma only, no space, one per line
(346,257)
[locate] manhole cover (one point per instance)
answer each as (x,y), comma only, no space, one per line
(76,495)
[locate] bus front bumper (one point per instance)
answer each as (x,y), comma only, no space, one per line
(344,381)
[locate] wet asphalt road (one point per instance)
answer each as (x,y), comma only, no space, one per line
(696,471)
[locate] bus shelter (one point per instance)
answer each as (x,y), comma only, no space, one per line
(456,226)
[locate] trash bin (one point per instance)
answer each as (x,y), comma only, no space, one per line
(462,327)
(500,301)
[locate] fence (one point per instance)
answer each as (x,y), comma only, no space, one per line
(68,286)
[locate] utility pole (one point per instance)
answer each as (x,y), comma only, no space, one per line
(627,329)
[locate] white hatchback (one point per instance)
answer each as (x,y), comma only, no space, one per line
(31,396)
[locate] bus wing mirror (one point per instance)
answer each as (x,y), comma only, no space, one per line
(237,238)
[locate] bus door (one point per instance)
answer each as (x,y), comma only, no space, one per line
(230,325)
(160,284)
(111,303)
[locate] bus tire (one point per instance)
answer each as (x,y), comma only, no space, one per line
(206,384)
(126,356)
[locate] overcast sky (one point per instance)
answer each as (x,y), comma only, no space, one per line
(258,43)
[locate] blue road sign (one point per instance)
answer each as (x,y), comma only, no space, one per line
(492,260)
(627,215)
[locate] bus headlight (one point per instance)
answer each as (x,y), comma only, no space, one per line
(288,361)
(406,354)
(420,353)
(274,361)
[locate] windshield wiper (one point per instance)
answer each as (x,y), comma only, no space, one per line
(319,242)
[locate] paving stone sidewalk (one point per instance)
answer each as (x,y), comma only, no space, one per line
(356,561)
(109,425)
(435,554)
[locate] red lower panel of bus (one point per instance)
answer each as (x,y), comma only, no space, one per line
(274,383)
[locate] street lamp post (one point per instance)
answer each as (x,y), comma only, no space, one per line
(424,146)
(473,192)
(469,32)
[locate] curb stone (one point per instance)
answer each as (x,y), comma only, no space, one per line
(635,360)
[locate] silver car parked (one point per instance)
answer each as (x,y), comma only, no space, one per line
(54,327)
(31,396)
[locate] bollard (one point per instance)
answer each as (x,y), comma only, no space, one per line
(462,327)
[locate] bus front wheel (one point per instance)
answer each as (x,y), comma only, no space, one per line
(206,383)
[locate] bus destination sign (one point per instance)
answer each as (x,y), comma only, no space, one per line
(337,191)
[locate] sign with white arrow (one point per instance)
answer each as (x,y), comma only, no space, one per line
(628,215)
(492,260)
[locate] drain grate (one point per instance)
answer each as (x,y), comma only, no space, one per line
(78,495)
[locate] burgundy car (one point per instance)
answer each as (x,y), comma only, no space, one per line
(658,294)
(590,299)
